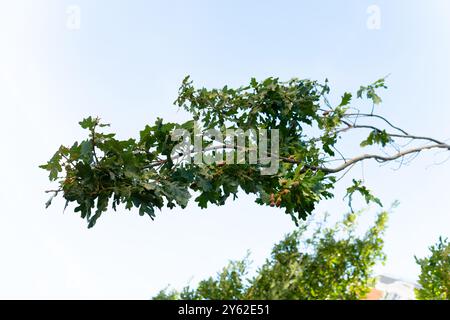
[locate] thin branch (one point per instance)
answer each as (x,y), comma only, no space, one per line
(405,136)
(379,117)
(377,158)
(54,191)
(345,173)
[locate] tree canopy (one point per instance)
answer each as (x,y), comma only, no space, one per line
(434,279)
(314,262)
(102,171)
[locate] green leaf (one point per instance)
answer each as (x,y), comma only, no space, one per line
(366,193)
(377,137)
(53,166)
(88,123)
(346,98)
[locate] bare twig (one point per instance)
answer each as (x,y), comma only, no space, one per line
(377,157)
(379,117)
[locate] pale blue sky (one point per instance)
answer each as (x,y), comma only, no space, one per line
(125,65)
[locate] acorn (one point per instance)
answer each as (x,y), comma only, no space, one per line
(272,200)
(278,203)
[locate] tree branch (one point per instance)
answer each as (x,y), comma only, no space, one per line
(379,117)
(376,157)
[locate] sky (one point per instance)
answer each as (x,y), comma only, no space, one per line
(124,61)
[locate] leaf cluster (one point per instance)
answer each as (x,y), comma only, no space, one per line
(102,171)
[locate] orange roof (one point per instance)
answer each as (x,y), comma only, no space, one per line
(374,294)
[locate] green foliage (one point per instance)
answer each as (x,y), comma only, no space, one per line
(434,279)
(228,285)
(361,189)
(310,263)
(102,171)
(370,91)
(346,98)
(377,137)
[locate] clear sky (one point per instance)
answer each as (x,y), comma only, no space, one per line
(125,64)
